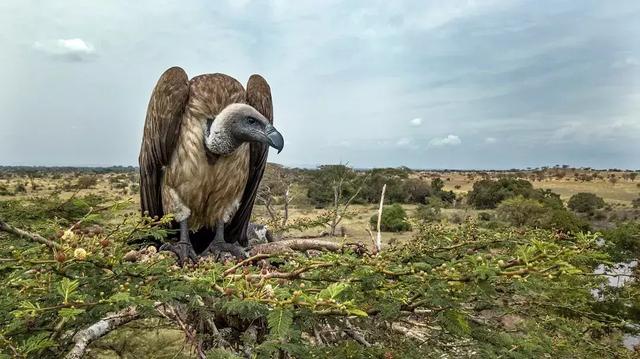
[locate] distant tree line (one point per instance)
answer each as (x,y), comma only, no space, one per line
(402,185)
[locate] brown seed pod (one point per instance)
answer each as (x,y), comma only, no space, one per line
(131,256)
(60,257)
(104,243)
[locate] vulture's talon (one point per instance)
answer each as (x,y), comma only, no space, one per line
(216,250)
(184,252)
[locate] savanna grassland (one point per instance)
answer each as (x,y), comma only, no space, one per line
(496,264)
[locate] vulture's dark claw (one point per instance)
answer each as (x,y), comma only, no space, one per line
(183,250)
(217,250)
(219,246)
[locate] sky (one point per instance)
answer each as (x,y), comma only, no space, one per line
(424,84)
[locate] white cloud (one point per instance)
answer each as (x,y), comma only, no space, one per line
(490,140)
(416,121)
(72,49)
(403,142)
(626,62)
(450,140)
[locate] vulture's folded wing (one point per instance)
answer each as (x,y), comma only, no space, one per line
(258,96)
(161,130)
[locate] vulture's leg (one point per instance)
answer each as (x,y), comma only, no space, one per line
(182,248)
(218,245)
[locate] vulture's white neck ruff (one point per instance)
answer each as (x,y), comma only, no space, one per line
(219,139)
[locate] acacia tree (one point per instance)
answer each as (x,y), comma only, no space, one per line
(450,292)
(275,194)
(341,177)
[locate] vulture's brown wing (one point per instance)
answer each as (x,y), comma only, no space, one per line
(258,96)
(161,129)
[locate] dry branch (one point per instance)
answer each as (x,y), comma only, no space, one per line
(355,333)
(251,259)
(83,338)
(379,235)
(283,275)
(29,235)
(290,245)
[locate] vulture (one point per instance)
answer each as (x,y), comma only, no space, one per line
(204,151)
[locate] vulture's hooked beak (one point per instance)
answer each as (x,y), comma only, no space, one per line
(274,138)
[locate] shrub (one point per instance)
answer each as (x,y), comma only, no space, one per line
(418,190)
(565,221)
(20,188)
(87,181)
(429,212)
(323,181)
(488,194)
(623,241)
(485,216)
(521,211)
(636,203)
(394,219)
(4,191)
(457,218)
(585,202)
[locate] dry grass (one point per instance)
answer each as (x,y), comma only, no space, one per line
(622,192)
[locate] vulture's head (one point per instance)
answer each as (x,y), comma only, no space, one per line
(236,124)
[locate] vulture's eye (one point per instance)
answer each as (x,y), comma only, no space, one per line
(252,121)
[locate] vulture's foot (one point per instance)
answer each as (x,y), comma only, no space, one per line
(219,246)
(183,248)
(217,249)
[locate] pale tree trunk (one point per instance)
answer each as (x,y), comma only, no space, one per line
(379,234)
(287,201)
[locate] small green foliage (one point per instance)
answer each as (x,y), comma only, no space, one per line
(488,194)
(623,241)
(520,211)
(429,212)
(279,321)
(394,219)
(67,288)
(585,202)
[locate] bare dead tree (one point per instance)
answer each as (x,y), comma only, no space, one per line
(275,195)
(340,208)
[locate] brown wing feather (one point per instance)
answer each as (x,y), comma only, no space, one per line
(161,130)
(258,96)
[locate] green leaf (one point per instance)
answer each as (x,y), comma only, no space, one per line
(332,291)
(455,322)
(358,312)
(120,297)
(37,343)
(70,313)
(279,321)
(67,288)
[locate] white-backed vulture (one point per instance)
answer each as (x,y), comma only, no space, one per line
(203,153)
